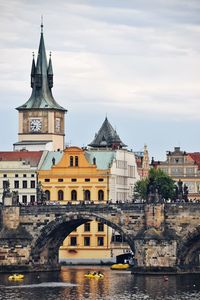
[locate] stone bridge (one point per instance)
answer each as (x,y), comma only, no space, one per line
(164,237)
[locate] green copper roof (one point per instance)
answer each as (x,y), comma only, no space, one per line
(48,161)
(103,158)
(41,82)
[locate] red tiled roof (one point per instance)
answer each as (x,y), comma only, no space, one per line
(196,157)
(30,157)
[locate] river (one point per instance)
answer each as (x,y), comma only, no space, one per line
(70,284)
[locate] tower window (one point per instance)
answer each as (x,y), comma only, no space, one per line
(71,161)
(60,180)
(76,161)
(47,180)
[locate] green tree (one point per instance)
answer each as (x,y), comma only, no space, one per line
(158,182)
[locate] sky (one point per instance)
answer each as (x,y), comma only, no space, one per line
(135,61)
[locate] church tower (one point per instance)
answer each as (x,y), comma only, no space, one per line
(41,118)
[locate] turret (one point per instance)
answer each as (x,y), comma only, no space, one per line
(50,73)
(33,72)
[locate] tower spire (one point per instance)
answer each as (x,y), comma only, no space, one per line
(41,80)
(41,24)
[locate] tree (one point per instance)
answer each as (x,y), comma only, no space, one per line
(157,185)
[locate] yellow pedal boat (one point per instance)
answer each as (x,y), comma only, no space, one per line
(91,275)
(119,267)
(16,277)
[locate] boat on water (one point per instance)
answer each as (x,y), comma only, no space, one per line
(94,275)
(16,277)
(120,267)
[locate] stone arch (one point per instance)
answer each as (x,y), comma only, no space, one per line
(45,248)
(189,248)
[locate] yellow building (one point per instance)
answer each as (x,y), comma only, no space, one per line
(67,176)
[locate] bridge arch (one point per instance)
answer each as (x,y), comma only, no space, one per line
(45,248)
(189,249)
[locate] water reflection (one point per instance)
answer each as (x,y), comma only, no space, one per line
(71,284)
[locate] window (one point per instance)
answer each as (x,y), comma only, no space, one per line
(73,195)
(32,184)
(76,161)
(16,184)
(4,175)
(60,195)
(71,161)
(86,241)
(121,164)
(16,175)
(100,195)
(100,240)
(87,179)
(47,195)
(24,199)
(24,184)
(87,195)
(32,175)
(47,180)
(73,241)
(60,180)
(5,183)
(100,179)
(87,227)
(24,175)
(32,199)
(73,180)
(100,227)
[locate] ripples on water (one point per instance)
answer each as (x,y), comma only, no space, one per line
(70,284)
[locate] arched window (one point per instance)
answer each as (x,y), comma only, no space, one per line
(100,195)
(76,161)
(47,192)
(71,161)
(87,195)
(73,195)
(60,195)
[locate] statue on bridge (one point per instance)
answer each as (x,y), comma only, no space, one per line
(181,192)
(153,195)
(41,195)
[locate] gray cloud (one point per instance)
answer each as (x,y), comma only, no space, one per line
(140,58)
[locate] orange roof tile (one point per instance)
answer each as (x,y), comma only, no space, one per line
(31,157)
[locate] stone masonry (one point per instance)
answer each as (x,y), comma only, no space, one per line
(162,236)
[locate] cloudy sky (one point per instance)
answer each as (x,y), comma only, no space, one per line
(136,61)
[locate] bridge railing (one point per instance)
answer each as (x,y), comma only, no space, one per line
(101,208)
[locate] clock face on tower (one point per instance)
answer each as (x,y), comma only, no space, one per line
(35,125)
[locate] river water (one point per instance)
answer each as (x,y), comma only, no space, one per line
(70,284)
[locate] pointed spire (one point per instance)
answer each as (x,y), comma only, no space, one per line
(50,72)
(107,137)
(41,81)
(33,71)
